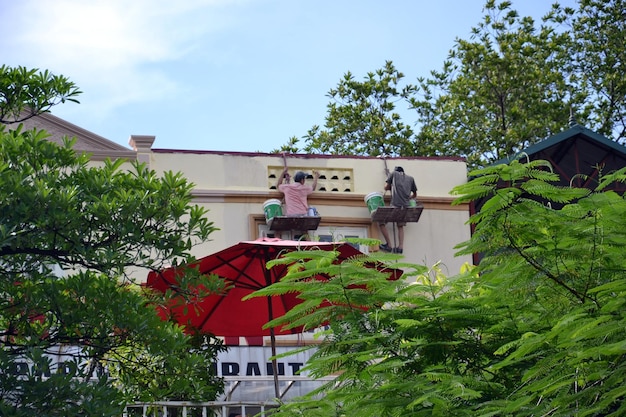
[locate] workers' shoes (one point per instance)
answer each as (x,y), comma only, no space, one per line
(385,248)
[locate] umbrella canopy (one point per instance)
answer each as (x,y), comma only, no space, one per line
(244,267)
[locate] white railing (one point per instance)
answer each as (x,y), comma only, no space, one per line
(243,396)
(189,409)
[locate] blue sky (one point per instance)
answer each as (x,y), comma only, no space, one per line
(229,75)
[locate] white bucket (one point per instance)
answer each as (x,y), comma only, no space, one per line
(272,208)
(374,200)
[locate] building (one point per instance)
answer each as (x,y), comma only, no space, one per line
(235,185)
(579,155)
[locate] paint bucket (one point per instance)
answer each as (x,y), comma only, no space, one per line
(374,200)
(272,208)
(412,203)
(313,212)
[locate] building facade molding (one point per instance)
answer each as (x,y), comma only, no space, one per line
(335,199)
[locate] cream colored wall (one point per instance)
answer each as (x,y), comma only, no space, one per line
(213,171)
(234,186)
(433,238)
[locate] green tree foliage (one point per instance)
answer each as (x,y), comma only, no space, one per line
(417,350)
(498,92)
(512,83)
(537,328)
(26,92)
(560,274)
(599,63)
(362,118)
(73,238)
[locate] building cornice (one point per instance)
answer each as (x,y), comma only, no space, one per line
(317,198)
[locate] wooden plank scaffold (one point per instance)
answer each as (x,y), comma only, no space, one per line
(289,223)
(397,215)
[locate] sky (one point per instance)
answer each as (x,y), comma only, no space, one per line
(226,75)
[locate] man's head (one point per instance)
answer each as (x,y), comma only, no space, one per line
(300,176)
(399,169)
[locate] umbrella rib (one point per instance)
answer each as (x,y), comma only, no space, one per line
(210,313)
(241,272)
(236,281)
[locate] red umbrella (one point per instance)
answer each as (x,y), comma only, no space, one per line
(244,267)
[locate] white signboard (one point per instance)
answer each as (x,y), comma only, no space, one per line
(255,361)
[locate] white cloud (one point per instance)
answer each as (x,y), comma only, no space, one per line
(112,49)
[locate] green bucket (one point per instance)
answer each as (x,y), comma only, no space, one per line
(374,200)
(272,208)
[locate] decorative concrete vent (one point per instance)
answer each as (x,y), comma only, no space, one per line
(331,180)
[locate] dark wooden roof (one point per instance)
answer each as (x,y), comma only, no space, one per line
(579,150)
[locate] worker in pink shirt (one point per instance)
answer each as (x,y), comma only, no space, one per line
(296,193)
